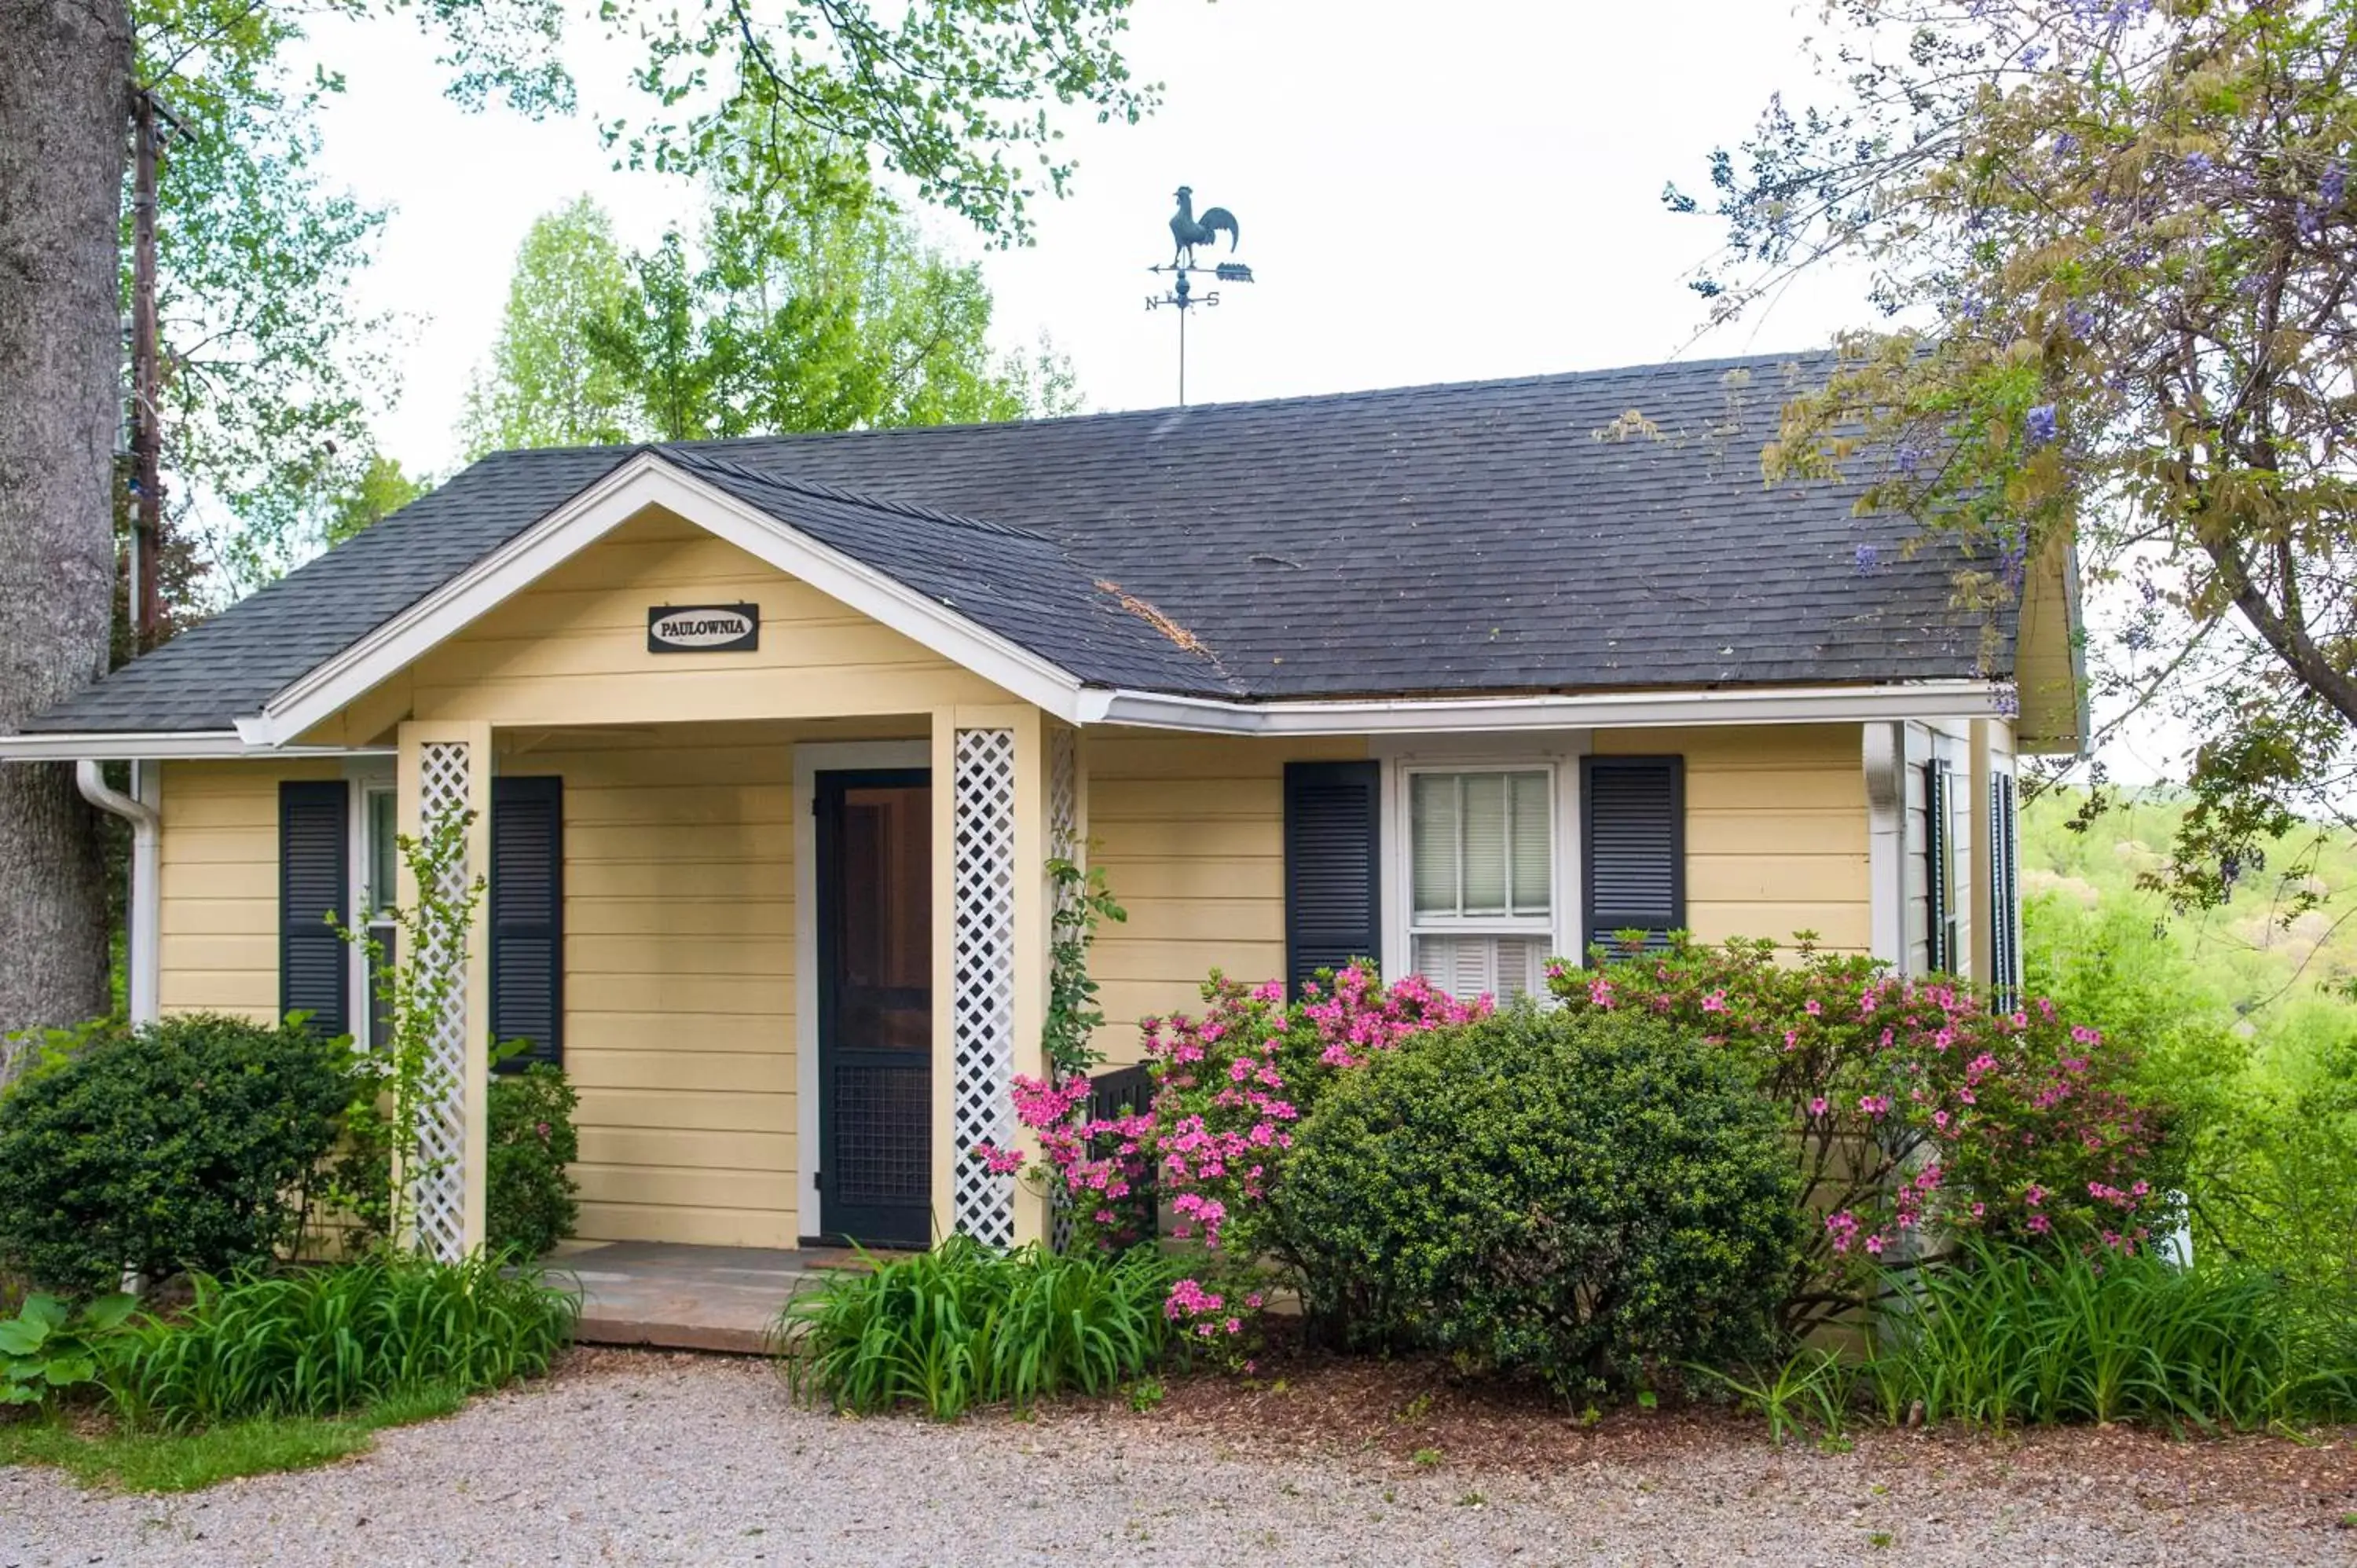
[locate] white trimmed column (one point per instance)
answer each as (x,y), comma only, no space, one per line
(445,770)
(991,952)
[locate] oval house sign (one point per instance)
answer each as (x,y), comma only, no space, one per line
(703,629)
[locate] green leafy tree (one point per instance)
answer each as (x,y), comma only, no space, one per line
(960,96)
(272,374)
(805,304)
(2116,243)
(376,492)
(544,386)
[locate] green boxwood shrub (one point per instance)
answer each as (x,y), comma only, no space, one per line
(529,1205)
(1575,1198)
(185,1144)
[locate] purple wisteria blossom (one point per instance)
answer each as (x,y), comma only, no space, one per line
(2334,185)
(1867,558)
(2039,425)
(2198,163)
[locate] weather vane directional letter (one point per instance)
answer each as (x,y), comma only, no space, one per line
(1187,232)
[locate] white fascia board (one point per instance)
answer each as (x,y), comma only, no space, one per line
(1448,716)
(648,479)
(154,746)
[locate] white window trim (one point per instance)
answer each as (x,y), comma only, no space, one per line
(363,776)
(1556,752)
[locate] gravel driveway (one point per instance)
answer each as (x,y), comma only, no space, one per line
(664,1460)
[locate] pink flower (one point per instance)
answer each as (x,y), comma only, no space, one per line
(1874,1245)
(1817,1106)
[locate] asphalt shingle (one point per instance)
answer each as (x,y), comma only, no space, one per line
(1497,536)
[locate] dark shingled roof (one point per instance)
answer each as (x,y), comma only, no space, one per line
(1588,531)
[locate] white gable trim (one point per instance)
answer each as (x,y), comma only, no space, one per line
(125,746)
(644,481)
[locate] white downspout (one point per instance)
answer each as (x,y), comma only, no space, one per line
(147,922)
(1886,829)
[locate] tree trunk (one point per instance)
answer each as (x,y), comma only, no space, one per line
(65,96)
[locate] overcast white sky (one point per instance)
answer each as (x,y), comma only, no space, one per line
(1427,192)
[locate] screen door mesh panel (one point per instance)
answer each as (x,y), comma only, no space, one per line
(883,1118)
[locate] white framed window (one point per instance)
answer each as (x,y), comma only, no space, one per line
(1481,871)
(376,888)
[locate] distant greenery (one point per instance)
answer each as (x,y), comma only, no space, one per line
(803,301)
(2243,1015)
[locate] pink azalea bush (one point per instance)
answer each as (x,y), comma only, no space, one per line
(1232,1084)
(1916,1105)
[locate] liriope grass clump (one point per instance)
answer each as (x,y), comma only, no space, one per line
(318,1342)
(2012,1336)
(967,1325)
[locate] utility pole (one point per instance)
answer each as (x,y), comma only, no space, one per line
(146,595)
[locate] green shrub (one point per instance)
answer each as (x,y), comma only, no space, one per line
(1917,1104)
(966,1324)
(185,1144)
(323,1341)
(1574,1197)
(528,1204)
(2012,1336)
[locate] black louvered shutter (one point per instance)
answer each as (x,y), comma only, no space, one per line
(1333,872)
(527,916)
(315,965)
(1939,871)
(1634,846)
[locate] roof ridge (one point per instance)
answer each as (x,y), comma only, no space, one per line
(1357,394)
(849,497)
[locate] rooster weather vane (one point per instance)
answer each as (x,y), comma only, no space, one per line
(1187,232)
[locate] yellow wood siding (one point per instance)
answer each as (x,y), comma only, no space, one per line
(572,648)
(218,951)
(1189,830)
(679,920)
(2046,666)
(1776,828)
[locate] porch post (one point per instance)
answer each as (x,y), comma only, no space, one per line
(991,796)
(445,768)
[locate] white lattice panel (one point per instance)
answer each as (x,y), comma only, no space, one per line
(1064,793)
(1064,842)
(438,1187)
(982,1002)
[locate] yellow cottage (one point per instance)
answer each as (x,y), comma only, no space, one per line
(771,741)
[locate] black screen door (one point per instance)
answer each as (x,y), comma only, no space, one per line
(876,1007)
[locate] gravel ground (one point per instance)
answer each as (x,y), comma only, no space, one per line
(651,1459)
